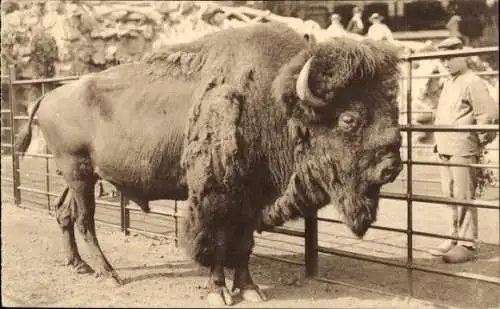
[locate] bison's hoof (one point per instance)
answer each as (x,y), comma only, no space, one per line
(112,279)
(253,295)
(83,268)
(80,267)
(220,297)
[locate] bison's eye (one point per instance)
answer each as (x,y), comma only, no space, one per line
(348,121)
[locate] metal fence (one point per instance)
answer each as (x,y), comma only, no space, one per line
(47,187)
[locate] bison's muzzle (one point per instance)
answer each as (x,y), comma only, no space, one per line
(367,213)
(363,212)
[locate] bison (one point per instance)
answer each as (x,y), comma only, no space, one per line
(252,126)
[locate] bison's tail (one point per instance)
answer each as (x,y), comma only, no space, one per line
(23,138)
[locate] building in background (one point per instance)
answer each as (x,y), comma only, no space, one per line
(399,15)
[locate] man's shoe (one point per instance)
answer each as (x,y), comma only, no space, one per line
(442,249)
(460,254)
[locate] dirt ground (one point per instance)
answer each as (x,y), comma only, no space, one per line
(157,274)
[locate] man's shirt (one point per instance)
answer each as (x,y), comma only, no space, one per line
(379,32)
(335,30)
(464,100)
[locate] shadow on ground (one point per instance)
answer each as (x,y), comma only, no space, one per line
(435,288)
(286,282)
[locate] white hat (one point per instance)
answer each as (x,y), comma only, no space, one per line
(375,16)
(335,17)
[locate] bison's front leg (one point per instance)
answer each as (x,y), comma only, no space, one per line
(218,292)
(242,279)
(206,239)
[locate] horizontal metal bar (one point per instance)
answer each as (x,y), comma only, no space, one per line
(452,53)
(44,174)
(481,73)
(153,210)
(488,147)
(449,128)
(44,80)
(108,204)
(98,221)
(418,111)
(419,233)
(6,145)
(479,277)
(441,200)
(130,229)
(35,155)
(5,111)
(376,227)
(358,256)
(24,118)
(37,191)
(285,231)
(274,258)
(278,240)
(424,180)
(435,163)
(6,128)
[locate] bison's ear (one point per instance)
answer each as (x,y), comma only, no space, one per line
(299,134)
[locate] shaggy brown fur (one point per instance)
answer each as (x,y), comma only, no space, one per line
(241,140)
(251,152)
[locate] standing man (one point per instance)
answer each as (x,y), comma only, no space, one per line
(335,29)
(379,31)
(464,100)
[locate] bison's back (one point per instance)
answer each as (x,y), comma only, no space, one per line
(128,121)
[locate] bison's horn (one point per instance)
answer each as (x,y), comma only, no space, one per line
(302,87)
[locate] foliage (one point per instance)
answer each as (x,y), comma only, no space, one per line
(485,177)
(44,54)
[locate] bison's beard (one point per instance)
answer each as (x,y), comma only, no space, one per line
(313,186)
(359,206)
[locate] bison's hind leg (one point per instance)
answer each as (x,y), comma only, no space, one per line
(65,210)
(79,175)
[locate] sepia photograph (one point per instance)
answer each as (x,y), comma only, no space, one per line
(250,154)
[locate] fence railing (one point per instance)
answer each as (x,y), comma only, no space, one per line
(310,233)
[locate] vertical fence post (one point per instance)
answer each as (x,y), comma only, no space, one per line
(124,214)
(409,178)
(47,178)
(176,227)
(311,244)
(15,157)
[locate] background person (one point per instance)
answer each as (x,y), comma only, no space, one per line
(464,100)
(379,31)
(355,25)
(336,29)
(453,27)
